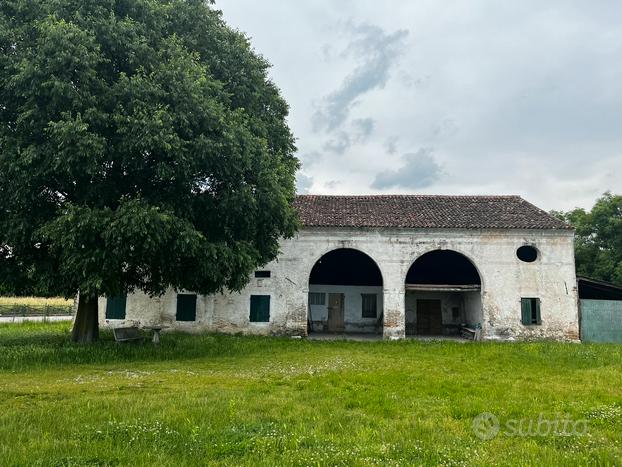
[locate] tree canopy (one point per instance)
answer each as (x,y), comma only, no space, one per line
(598,244)
(142,146)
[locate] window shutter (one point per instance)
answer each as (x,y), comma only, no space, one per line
(525,311)
(264,308)
(115,307)
(186,307)
(538,320)
(369,305)
(260,308)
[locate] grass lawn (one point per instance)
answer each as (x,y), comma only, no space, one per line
(228,400)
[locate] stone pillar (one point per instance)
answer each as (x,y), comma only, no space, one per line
(394,314)
(394,326)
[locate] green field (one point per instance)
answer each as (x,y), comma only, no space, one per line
(229,400)
(34,306)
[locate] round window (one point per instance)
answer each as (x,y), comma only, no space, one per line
(527,253)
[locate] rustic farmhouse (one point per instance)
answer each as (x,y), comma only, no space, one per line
(394,266)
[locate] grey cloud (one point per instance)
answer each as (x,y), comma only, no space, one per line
(378,51)
(327,52)
(359,132)
(310,158)
(339,144)
(363,128)
(445,128)
(419,171)
(390,145)
(420,82)
(303,183)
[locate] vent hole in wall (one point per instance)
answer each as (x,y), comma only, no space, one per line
(527,254)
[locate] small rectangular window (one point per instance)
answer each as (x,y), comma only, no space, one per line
(115,307)
(186,307)
(317,298)
(260,309)
(370,305)
(262,274)
(530,311)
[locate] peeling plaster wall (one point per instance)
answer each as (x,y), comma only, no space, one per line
(505,279)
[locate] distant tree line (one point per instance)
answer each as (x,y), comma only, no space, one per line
(598,244)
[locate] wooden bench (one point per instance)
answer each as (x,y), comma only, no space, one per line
(128,334)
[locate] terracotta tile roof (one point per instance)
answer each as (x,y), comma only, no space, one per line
(423,211)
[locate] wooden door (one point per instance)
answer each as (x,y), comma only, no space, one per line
(335,312)
(429,318)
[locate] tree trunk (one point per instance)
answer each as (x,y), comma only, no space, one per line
(86,325)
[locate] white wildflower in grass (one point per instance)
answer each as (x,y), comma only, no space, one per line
(612,412)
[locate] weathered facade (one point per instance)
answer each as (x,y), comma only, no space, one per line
(395,266)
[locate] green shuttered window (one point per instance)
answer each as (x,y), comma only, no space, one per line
(260,308)
(530,311)
(186,307)
(115,307)
(370,308)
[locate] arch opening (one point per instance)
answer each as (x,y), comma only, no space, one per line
(443,295)
(345,294)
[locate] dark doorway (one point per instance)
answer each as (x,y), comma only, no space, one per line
(429,317)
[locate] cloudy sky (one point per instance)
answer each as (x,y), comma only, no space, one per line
(452,97)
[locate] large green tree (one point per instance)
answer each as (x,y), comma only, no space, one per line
(598,244)
(142,146)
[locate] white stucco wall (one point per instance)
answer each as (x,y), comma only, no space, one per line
(505,279)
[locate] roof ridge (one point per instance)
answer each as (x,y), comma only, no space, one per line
(308,195)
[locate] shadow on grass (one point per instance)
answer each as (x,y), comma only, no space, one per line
(37,345)
(29,345)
